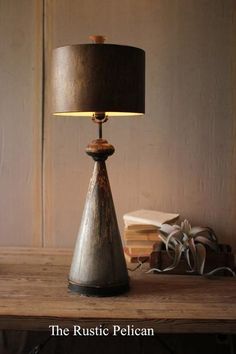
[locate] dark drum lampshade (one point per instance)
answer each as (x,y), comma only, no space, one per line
(98,80)
(89,78)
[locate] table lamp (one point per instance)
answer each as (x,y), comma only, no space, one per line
(98,80)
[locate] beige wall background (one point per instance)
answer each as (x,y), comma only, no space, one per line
(20,122)
(179,157)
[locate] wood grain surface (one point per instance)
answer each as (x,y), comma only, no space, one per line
(34,294)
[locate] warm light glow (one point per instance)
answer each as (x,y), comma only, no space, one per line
(90,114)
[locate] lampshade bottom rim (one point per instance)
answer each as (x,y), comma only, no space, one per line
(102,291)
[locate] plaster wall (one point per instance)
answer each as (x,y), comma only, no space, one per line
(179,157)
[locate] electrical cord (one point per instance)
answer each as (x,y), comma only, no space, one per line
(37,349)
(140,264)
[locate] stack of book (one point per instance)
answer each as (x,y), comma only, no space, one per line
(139,240)
(141,232)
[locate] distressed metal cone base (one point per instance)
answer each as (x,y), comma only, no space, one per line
(98,266)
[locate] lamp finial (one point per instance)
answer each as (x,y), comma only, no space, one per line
(98,39)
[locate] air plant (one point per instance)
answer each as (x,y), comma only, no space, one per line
(190,242)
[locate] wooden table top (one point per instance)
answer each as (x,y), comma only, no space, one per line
(34,295)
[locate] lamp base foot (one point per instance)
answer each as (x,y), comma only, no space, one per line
(99,291)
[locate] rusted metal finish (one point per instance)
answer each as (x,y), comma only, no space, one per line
(98,78)
(98,266)
(100,149)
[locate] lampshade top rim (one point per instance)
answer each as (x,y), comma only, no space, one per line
(99,45)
